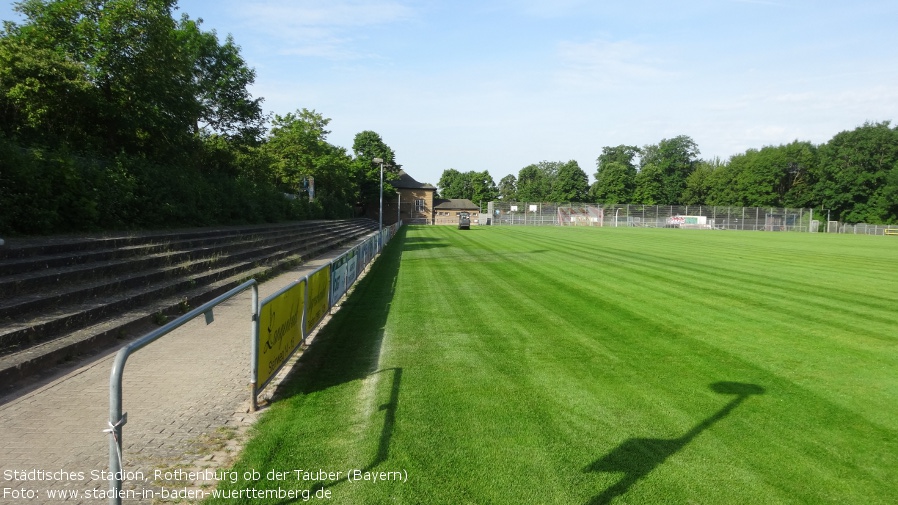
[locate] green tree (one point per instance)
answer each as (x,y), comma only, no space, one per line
(475,186)
(649,186)
(367,146)
(295,142)
(615,183)
(615,175)
(885,202)
(720,183)
(221,81)
(508,188)
(535,182)
(483,188)
(675,159)
(571,184)
(453,184)
(44,97)
(772,173)
(774,176)
(124,76)
(855,173)
(698,183)
(623,154)
(298,149)
(133,119)
(144,102)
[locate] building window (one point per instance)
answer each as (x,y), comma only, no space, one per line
(419,205)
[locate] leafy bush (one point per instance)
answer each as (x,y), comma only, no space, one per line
(45,190)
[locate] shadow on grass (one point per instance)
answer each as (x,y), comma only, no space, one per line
(637,457)
(386,431)
(420,243)
(348,347)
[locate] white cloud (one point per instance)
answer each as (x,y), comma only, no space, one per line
(560,79)
(340,13)
(551,8)
(327,29)
(602,63)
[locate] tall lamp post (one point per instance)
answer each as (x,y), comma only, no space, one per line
(380,213)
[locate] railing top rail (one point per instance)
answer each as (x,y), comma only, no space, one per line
(116,418)
(124,352)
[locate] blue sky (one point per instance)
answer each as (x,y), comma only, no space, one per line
(497,85)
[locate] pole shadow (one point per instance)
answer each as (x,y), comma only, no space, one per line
(637,457)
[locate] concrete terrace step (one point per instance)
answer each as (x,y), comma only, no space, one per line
(83,308)
(31,255)
(69,244)
(38,316)
(18,286)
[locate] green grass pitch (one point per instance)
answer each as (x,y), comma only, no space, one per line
(510,365)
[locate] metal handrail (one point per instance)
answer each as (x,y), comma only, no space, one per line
(116,418)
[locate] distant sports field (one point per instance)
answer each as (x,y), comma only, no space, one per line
(510,365)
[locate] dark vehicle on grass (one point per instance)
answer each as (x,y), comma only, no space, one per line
(464,221)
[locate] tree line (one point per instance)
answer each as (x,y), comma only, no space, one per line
(853,176)
(115,114)
(546,181)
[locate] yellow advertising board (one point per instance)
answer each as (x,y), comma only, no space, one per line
(319,299)
(280,331)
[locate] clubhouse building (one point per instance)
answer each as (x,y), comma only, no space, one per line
(415,204)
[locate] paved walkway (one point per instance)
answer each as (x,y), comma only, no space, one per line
(187,399)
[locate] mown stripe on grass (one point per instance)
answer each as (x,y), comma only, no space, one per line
(527,301)
(797,339)
(533,363)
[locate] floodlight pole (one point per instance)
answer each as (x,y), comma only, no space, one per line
(380,213)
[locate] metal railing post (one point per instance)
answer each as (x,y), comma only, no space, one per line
(254,352)
(116,421)
(117,418)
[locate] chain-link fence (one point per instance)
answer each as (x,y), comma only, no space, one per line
(657,216)
(863,228)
